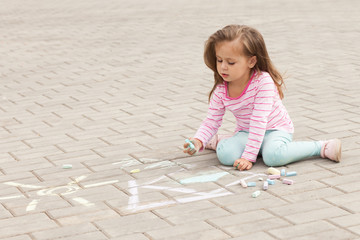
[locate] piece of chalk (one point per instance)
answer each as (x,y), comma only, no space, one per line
(260,179)
(135,171)
(274,176)
(191,145)
(255,194)
(251,184)
(243,183)
(289,174)
(66,166)
(273,171)
(265,186)
(271,182)
(282,172)
(288,181)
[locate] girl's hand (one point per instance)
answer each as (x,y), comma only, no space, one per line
(243,164)
(197,145)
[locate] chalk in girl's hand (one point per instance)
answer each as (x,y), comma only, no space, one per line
(265,186)
(255,194)
(251,184)
(289,174)
(273,171)
(66,166)
(288,181)
(243,183)
(191,145)
(271,182)
(135,171)
(274,176)
(282,172)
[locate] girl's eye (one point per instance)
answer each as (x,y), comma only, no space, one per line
(231,63)
(219,60)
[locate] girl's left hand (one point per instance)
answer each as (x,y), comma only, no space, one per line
(243,164)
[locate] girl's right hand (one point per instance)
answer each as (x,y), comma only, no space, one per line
(197,146)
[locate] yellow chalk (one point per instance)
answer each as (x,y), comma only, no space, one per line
(135,170)
(273,171)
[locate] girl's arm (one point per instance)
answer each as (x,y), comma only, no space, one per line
(263,104)
(213,120)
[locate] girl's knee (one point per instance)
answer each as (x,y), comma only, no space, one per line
(273,157)
(227,154)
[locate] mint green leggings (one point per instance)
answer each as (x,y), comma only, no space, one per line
(277,148)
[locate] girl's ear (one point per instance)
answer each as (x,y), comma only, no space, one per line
(252,61)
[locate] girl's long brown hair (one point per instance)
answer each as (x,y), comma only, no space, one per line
(253,45)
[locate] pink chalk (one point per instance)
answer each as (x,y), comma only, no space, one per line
(243,183)
(274,176)
(288,181)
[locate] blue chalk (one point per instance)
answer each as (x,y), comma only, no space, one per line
(282,173)
(251,184)
(288,174)
(271,182)
(191,145)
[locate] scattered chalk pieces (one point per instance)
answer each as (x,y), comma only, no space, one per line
(270,182)
(289,174)
(67,166)
(273,171)
(265,186)
(277,176)
(282,173)
(135,171)
(243,183)
(255,194)
(288,181)
(251,184)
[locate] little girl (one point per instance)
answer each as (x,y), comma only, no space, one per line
(248,85)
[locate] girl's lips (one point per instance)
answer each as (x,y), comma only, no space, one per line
(224,75)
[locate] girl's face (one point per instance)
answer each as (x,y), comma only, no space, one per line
(231,64)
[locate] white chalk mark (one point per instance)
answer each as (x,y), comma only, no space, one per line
(162,164)
(101,183)
(83,201)
(134,198)
(126,162)
(78,179)
(204,178)
(11,197)
(155,180)
(182,190)
(206,196)
(148,160)
(32,205)
(22,185)
(61,190)
(132,209)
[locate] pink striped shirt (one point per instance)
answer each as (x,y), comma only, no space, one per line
(257,109)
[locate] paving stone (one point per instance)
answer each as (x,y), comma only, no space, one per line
(137,223)
(182,229)
(67,231)
(257,235)
(30,223)
(333,234)
(302,229)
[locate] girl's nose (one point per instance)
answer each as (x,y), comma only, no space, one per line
(223,65)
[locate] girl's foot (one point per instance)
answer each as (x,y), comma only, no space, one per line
(331,149)
(212,144)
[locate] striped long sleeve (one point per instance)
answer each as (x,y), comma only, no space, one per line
(213,120)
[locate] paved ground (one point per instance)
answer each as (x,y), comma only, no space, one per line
(113,86)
